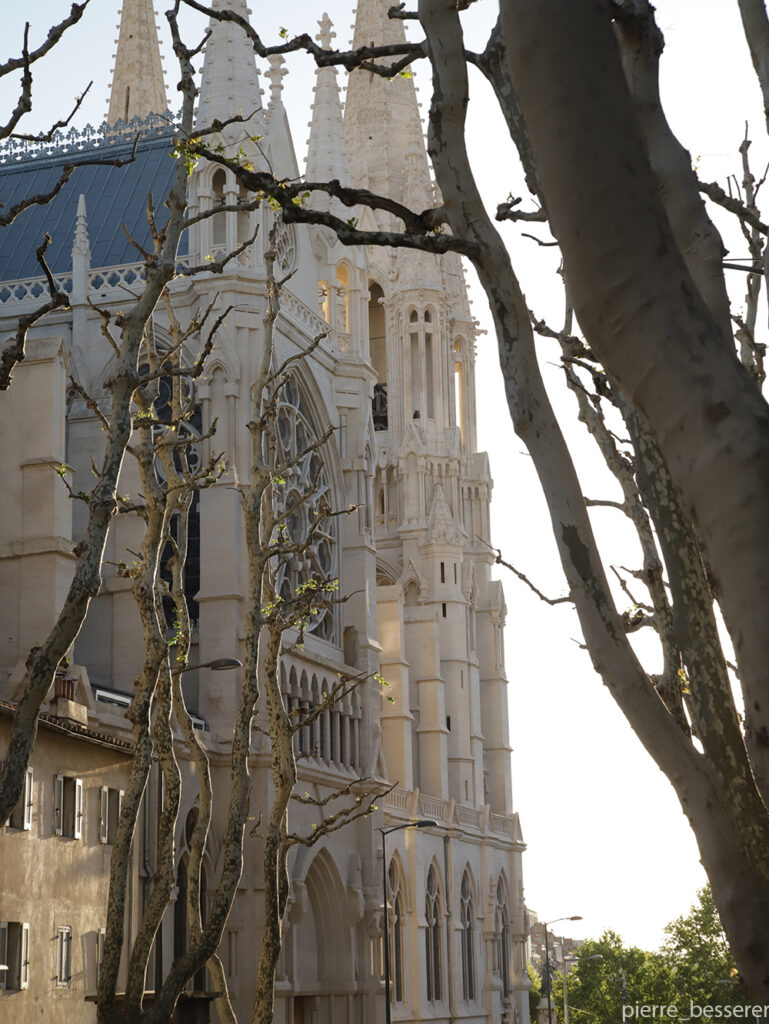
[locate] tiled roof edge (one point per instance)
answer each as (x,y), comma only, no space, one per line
(73,728)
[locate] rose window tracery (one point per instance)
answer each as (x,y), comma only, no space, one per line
(304,492)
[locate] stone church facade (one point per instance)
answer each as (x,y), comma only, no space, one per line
(395,377)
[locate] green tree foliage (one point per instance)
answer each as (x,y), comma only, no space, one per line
(535,992)
(693,965)
(697,951)
(597,988)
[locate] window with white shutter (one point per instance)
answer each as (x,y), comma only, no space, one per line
(103,814)
(68,807)
(3,954)
(110,803)
(21,815)
(24,972)
(14,955)
(78,820)
(28,800)
(99,951)
(63,956)
(58,805)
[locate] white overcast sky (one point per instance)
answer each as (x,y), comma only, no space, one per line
(606,836)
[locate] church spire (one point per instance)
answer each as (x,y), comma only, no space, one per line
(384,130)
(327,152)
(138,88)
(230,81)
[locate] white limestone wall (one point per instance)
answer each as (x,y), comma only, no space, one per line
(36,561)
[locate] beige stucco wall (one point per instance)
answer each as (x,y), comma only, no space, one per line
(50,881)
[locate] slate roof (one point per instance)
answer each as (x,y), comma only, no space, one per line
(113,196)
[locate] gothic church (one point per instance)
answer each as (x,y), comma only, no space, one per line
(395,376)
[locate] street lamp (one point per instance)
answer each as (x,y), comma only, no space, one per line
(573,960)
(217,665)
(574,917)
(421,823)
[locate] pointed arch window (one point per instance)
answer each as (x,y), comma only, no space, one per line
(377,338)
(460,388)
(219,220)
(396,912)
(433,916)
(303,497)
(243,219)
(422,348)
(472,607)
(503,936)
(342,299)
(467,922)
(233,227)
(324,306)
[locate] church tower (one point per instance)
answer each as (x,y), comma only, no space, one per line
(437,605)
(138,85)
(440,615)
(230,82)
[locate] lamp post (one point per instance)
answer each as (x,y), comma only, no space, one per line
(573,917)
(573,960)
(217,665)
(421,823)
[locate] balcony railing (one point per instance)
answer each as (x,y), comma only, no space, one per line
(448,812)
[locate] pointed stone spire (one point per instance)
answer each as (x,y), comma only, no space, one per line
(230,81)
(81,255)
(81,245)
(327,151)
(417,185)
(138,87)
(442,528)
(276,73)
(384,130)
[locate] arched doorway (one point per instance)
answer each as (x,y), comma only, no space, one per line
(325,990)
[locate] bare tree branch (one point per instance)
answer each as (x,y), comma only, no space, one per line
(14,353)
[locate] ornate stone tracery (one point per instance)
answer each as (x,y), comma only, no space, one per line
(305,494)
(284,243)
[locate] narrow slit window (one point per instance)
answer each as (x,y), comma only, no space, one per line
(219,226)
(429,383)
(416,377)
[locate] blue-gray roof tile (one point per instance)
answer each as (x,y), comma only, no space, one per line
(113,195)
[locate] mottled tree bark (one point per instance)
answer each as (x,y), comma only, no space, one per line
(640,46)
(756,25)
(644,315)
(739,875)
